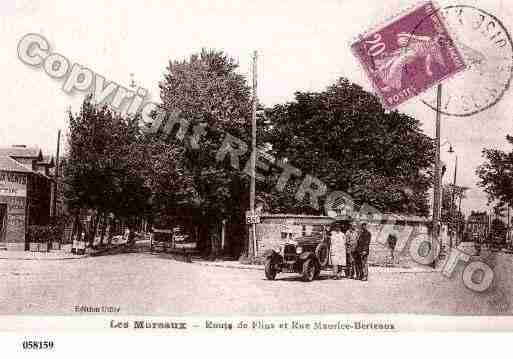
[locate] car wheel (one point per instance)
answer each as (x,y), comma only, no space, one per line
(309,270)
(270,271)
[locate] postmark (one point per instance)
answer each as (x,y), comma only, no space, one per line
(408,55)
(487,48)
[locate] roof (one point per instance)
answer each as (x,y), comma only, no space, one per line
(285,215)
(10,165)
(385,217)
(22,152)
(47,161)
(382,217)
(299,218)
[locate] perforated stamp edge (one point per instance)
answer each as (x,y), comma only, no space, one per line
(387,21)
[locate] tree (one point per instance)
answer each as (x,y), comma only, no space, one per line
(499,210)
(208,92)
(496,174)
(498,231)
(344,137)
(451,214)
(450,196)
(171,183)
(105,166)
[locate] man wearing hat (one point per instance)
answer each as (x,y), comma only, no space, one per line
(351,242)
(362,253)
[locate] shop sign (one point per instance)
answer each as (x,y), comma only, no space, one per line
(13,184)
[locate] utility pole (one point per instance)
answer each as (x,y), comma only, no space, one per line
(56,175)
(436,191)
(508,237)
(253,241)
(453,204)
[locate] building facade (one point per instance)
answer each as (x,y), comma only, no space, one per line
(26,189)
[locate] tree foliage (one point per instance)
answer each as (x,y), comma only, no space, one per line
(344,137)
(496,174)
(208,92)
(451,195)
(105,166)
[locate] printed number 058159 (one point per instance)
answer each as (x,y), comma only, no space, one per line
(37,344)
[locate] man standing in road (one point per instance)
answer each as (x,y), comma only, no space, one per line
(362,253)
(351,242)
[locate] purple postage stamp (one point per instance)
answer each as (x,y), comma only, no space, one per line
(408,55)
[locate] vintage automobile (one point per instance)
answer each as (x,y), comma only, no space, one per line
(306,255)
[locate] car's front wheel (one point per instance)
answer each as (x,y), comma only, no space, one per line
(270,271)
(309,270)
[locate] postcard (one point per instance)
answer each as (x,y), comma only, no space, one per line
(192,168)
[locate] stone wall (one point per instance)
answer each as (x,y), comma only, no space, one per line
(274,230)
(379,252)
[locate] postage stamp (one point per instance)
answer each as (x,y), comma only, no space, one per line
(408,55)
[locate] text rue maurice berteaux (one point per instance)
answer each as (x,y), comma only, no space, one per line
(299,325)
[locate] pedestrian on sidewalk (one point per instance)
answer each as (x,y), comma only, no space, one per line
(338,251)
(362,253)
(351,242)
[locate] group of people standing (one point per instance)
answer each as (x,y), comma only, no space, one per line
(350,249)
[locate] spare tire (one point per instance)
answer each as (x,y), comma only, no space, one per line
(322,253)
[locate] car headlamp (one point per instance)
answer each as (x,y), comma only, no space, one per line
(299,250)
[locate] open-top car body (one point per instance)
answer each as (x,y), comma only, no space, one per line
(306,255)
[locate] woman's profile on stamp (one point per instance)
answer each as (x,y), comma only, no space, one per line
(391,68)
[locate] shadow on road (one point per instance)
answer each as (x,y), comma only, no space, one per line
(299,279)
(122,248)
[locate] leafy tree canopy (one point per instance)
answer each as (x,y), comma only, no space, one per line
(496,174)
(207,91)
(344,137)
(104,167)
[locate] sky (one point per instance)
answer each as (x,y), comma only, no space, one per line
(302,46)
